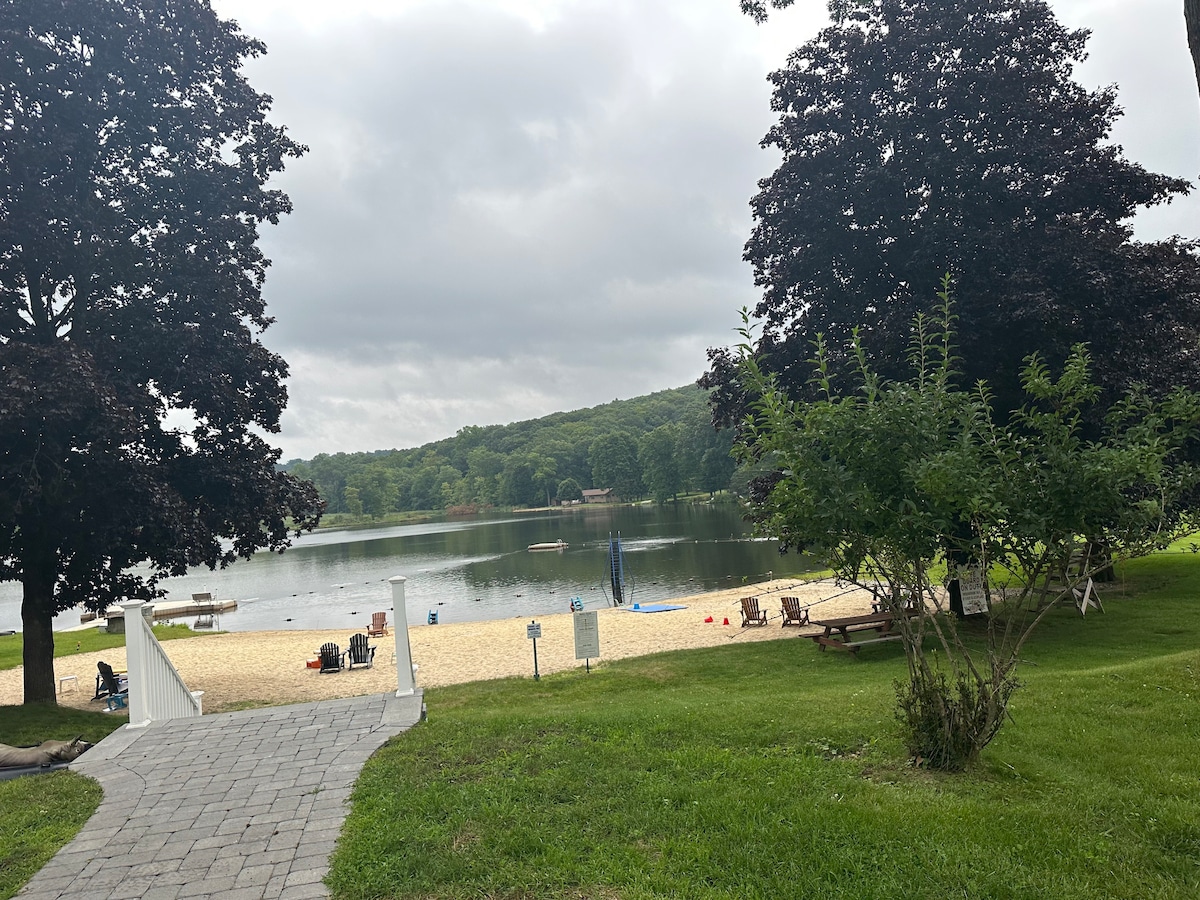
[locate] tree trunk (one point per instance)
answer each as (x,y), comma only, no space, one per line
(37,618)
(1191,15)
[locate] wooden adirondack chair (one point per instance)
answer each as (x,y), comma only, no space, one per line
(361,653)
(332,658)
(751,614)
(378,626)
(793,612)
(117,693)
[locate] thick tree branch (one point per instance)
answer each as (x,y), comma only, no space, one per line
(1191,15)
(39,306)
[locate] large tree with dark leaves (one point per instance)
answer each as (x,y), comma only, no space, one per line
(135,157)
(924,138)
(1191,16)
(757,10)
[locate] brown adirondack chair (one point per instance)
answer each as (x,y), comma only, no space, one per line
(751,614)
(378,626)
(793,612)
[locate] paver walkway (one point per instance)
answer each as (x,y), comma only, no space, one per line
(234,805)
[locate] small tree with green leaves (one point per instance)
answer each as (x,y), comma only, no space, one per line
(569,489)
(886,480)
(659,461)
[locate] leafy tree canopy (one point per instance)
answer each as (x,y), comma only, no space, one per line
(569,489)
(523,462)
(757,10)
(875,477)
(923,138)
(135,159)
(615,464)
(659,458)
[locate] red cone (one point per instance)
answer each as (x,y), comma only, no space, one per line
(709,620)
(727,621)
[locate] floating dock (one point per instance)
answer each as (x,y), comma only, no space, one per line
(550,545)
(203,606)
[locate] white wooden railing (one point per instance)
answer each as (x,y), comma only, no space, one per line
(156,691)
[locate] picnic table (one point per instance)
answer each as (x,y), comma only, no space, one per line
(840,633)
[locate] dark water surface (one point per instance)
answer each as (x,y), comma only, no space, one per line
(478,568)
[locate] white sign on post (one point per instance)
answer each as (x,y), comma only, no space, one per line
(533,631)
(587,635)
(970,584)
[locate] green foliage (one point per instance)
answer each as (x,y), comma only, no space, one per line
(518,486)
(771,770)
(615,464)
(658,456)
(522,464)
(882,479)
(569,489)
(134,385)
(946,725)
(67,643)
(650,776)
(42,813)
(918,138)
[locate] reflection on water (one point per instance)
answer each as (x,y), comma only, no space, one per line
(478,568)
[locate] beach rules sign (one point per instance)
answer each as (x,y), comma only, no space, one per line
(533,631)
(587,635)
(974,594)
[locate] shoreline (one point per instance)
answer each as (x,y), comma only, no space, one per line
(259,668)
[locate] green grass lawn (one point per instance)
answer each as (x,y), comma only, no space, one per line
(763,770)
(41,813)
(67,643)
(770,770)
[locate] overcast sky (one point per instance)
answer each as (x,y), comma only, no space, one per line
(516,207)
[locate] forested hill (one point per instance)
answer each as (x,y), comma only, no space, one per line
(656,446)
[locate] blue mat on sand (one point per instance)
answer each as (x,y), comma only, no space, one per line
(652,607)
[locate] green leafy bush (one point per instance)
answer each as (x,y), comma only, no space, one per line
(945,724)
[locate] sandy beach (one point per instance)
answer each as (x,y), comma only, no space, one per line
(240,669)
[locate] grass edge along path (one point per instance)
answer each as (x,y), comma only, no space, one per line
(770,770)
(88,640)
(39,814)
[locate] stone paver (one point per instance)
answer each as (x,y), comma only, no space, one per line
(233,805)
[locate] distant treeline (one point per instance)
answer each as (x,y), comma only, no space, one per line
(655,446)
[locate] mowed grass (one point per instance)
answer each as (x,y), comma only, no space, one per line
(770,770)
(41,813)
(67,643)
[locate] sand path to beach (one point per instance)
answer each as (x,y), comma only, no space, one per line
(246,669)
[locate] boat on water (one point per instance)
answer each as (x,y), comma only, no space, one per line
(550,545)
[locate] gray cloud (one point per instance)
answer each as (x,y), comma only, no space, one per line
(514,209)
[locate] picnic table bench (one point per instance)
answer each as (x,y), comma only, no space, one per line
(839,632)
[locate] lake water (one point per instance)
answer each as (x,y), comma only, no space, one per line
(478,568)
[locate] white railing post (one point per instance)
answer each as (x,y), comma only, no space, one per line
(135,662)
(406,685)
(156,691)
